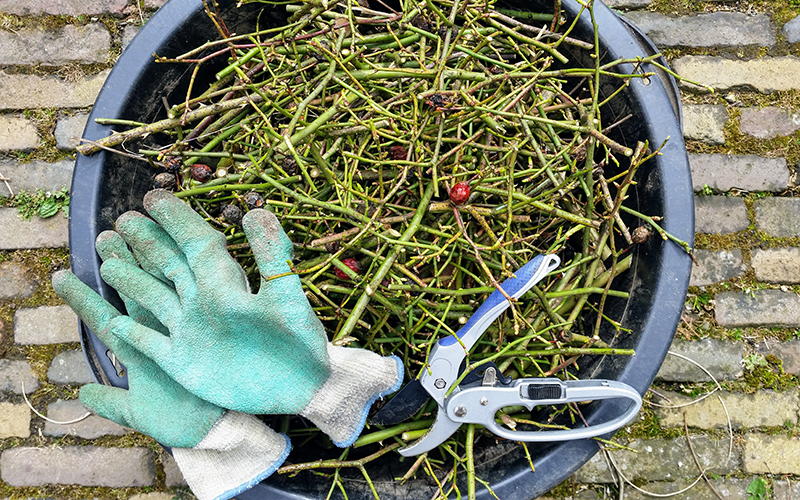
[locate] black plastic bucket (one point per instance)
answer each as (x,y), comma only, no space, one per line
(106,185)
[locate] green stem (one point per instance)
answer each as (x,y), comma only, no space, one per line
(380,274)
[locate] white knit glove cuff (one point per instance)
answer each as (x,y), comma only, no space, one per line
(358,377)
(239,452)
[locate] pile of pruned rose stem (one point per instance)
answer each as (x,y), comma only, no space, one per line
(416,158)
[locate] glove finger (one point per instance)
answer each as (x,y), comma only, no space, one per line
(144,289)
(110,245)
(147,341)
(157,252)
(90,307)
(108,402)
(269,242)
(272,249)
(205,248)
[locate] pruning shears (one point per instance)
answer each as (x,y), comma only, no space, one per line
(478,398)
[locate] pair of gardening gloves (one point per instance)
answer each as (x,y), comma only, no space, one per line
(204,354)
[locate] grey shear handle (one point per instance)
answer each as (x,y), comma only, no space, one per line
(479,405)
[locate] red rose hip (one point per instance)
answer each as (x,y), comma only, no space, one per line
(460,193)
(352,264)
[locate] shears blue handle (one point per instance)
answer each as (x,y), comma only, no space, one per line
(523,280)
(446,356)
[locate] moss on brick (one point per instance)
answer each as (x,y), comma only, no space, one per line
(741,144)
(779,12)
(770,377)
(39,264)
(647,426)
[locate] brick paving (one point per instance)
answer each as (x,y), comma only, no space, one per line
(71,44)
(34,91)
(765,75)
(705,122)
(721,358)
(68,130)
(720,214)
(34,175)
(718,29)
(15,420)
(662,460)
(745,411)
(768,122)
(69,367)
(78,465)
(34,233)
(748,172)
(716,266)
(17,133)
(771,454)
(740,289)
(91,427)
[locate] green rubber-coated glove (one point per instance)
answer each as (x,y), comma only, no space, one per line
(264,353)
(220,453)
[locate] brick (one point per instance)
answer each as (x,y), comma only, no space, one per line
(78,465)
(627,4)
(745,410)
(768,122)
(787,352)
(36,175)
(720,214)
(765,74)
(128,33)
(32,91)
(722,359)
(768,308)
(173,475)
(91,427)
(69,367)
(778,216)
(717,29)
(63,7)
(14,281)
(17,233)
(705,122)
(748,172)
(662,460)
(154,4)
(17,133)
(792,30)
(586,493)
(728,488)
(14,374)
(772,454)
(87,44)
(713,267)
(45,325)
(156,495)
(15,420)
(785,490)
(69,131)
(776,265)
